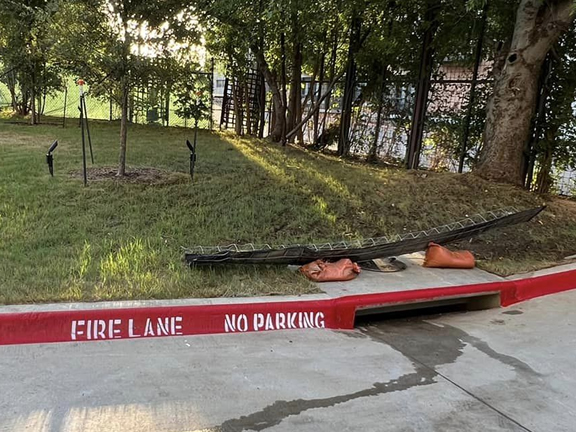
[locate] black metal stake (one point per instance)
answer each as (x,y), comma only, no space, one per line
(192,149)
(83,101)
(50,158)
(195,133)
(83,144)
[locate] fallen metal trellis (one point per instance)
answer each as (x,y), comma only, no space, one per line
(359,250)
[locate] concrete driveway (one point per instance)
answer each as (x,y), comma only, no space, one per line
(500,370)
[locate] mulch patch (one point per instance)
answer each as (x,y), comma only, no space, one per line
(147,176)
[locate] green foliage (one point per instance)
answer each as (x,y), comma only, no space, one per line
(554,149)
(29,71)
(559,127)
(193,99)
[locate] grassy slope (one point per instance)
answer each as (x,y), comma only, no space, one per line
(60,241)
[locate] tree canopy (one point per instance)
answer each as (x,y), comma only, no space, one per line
(329,66)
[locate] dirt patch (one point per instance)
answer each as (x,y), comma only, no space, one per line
(543,242)
(147,176)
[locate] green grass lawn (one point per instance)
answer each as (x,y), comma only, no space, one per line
(60,241)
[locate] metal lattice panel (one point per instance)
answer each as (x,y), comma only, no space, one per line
(358,250)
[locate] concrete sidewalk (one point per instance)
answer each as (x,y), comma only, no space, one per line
(414,277)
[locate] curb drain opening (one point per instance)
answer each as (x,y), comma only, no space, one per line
(427,308)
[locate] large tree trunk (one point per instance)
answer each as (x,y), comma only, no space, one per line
(538,26)
(279,120)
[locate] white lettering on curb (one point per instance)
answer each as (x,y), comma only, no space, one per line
(116,328)
(273,321)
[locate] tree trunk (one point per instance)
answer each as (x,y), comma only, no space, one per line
(538,122)
(247,108)
(123,127)
(373,153)
(509,116)
(11,84)
(544,179)
(283,86)
(272,115)
(349,85)
(314,109)
(279,121)
(279,130)
(42,105)
(331,72)
(309,98)
(316,97)
(295,105)
(167,107)
(237,97)
(33,119)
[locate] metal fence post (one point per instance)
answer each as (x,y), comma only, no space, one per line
(538,121)
(110,113)
(422,89)
(65,103)
(477,61)
(262,105)
(212,93)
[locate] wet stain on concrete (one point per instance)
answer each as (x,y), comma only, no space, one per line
(498,322)
(513,312)
(428,345)
(273,414)
(518,365)
(434,344)
(354,334)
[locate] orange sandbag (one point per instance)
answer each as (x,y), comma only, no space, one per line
(438,256)
(322,271)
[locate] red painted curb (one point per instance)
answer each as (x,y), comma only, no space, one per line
(338,313)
